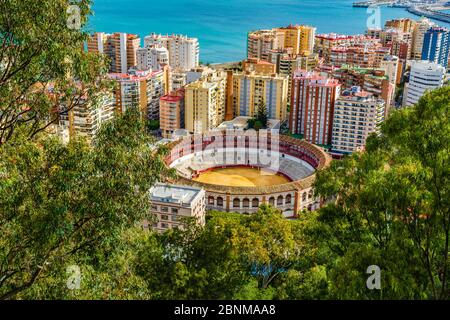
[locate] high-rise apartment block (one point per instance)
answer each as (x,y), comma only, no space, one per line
(184,52)
(424,76)
(295,39)
(86,118)
(421,27)
(251,90)
(120,48)
(391,65)
(403,24)
(171,112)
(205,103)
(261,42)
(357,114)
(141,90)
(152,58)
(312,106)
(436,46)
(374,81)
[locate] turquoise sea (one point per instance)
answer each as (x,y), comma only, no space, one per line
(222,25)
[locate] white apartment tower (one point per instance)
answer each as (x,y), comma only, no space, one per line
(184,52)
(152,58)
(424,76)
(357,114)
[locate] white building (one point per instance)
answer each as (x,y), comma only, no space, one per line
(357,114)
(170,204)
(424,76)
(152,58)
(184,52)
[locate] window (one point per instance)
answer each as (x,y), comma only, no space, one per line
(164,209)
(154,207)
(174,210)
(255,203)
(236,203)
(164,226)
(246,203)
(164,217)
(304,196)
(280,201)
(272,201)
(220,202)
(211,200)
(288,199)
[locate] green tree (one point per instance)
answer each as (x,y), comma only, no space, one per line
(261,119)
(57,201)
(43,68)
(391,207)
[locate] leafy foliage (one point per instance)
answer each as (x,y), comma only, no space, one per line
(58,200)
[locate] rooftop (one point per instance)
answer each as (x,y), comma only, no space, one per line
(182,195)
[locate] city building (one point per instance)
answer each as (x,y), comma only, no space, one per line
(436,46)
(196,74)
(299,38)
(120,48)
(140,89)
(421,27)
(205,103)
(403,24)
(324,43)
(184,52)
(251,90)
(357,114)
(86,118)
(424,76)
(368,55)
(170,204)
(374,81)
(312,106)
(258,66)
(261,42)
(171,113)
(391,65)
(178,80)
(152,58)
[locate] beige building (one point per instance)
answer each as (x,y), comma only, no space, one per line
(258,66)
(299,38)
(250,90)
(120,48)
(261,42)
(170,204)
(422,26)
(205,103)
(140,89)
(393,68)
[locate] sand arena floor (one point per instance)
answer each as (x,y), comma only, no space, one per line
(241,177)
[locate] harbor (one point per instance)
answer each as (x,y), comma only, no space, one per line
(433,9)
